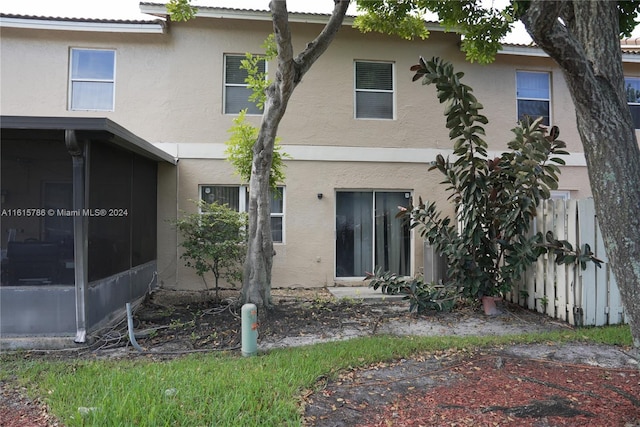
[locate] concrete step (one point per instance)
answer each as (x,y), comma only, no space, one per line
(362,293)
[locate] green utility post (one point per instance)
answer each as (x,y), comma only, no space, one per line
(249,330)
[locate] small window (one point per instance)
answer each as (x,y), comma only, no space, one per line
(533,96)
(237,197)
(560,194)
(236,91)
(374,90)
(92,80)
(277,215)
(632,87)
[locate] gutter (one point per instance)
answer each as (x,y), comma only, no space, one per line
(100,26)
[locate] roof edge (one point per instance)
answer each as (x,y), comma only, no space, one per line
(155,26)
(535,51)
(159,9)
(120,135)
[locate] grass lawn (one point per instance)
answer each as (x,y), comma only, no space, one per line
(225,389)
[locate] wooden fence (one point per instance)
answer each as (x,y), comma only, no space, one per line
(581,297)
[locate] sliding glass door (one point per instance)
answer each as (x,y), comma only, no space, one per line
(369,235)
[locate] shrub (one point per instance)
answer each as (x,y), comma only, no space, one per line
(422,296)
(488,245)
(214,240)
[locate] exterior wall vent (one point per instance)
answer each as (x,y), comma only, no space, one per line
(435,265)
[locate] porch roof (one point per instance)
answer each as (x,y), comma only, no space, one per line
(91,128)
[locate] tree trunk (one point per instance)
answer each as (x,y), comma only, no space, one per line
(256,282)
(586,45)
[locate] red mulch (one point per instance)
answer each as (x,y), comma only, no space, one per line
(481,390)
(16,410)
(497,391)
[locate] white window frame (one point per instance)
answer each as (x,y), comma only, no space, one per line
(243,85)
(560,194)
(243,195)
(356,90)
(279,214)
(72,80)
(548,99)
(636,104)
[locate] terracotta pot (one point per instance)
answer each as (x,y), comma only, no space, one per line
(489,305)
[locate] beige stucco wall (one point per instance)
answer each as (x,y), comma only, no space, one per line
(169,87)
(169,91)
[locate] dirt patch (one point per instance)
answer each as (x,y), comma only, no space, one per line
(525,385)
(17,410)
(478,389)
(172,322)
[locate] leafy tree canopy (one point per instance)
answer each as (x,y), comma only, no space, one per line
(181,10)
(482,26)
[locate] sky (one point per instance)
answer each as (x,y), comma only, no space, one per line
(129,9)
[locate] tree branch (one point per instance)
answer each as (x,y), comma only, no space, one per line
(285,71)
(290,70)
(543,24)
(308,56)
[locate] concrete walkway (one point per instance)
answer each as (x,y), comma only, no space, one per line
(362,293)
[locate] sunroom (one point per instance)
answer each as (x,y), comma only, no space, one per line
(79,205)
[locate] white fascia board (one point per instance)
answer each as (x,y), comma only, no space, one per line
(246,14)
(537,52)
(571,159)
(363,154)
(631,57)
(259,15)
(522,51)
(169,148)
(312,153)
(325,153)
(227,13)
(96,27)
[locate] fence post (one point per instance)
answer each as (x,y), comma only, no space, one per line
(548,301)
(602,291)
(540,262)
(572,287)
(586,226)
(561,291)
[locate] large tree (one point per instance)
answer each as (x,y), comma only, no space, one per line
(290,68)
(583,38)
(256,287)
(289,71)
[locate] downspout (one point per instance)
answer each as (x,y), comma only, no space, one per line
(80,234)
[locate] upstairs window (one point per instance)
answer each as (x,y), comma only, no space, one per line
(374,90)
(236,91)
(92,80)
(533,96)
(237,198)
(632,87)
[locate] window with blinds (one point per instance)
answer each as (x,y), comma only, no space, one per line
(533,92)
(237,197)
(632,88)
(236,92)
(374,90)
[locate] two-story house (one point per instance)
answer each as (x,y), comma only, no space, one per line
(112,128)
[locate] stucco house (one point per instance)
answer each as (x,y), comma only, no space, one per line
(112,127)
